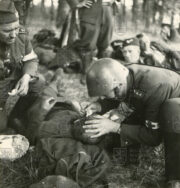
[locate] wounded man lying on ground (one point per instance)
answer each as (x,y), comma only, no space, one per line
(143,51)
(51,116)
(52,130)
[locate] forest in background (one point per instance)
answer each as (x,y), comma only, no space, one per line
(130,16)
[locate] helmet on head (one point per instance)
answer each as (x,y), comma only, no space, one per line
(104,75)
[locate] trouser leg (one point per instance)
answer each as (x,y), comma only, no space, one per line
(18,116)
(5,87)
(132,135)
(170,124)
(86,45)
(3,120)
(133,131)
(106,32)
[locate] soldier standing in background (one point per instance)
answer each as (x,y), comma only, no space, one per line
(95,28)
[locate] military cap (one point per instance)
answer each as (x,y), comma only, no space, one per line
(8,13)
(131,41)
(117,44)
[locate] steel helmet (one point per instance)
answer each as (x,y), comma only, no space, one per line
(104,75)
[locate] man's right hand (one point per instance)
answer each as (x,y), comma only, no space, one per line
(93,108)
(85,3)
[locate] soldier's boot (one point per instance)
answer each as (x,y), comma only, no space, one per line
(170,124)
(87,58)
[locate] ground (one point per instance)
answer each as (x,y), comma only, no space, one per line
(149,173)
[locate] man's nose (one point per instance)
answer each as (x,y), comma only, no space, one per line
(13,34)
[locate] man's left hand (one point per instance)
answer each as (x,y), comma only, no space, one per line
(22,85)
(100,126)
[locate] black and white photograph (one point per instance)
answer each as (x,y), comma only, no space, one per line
(89,93)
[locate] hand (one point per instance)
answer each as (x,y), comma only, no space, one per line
(48,103)
(93,108)
(22,86)
(146,41)
(85,3)
(100,126)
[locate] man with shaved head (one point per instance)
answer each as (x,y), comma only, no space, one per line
(154,95)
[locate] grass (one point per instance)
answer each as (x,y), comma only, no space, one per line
(148,174)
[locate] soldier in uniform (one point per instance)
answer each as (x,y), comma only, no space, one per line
(95,28)
(154,95)
(18,62)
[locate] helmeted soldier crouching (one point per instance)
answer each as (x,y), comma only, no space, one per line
(154,95)
(18,62)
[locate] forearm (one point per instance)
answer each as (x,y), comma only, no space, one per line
(30,68)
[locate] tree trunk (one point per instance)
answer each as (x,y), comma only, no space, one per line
(52,10)
(162,11)
(144,9)
(135,14)
(43,9)
(148,6)
(124,11)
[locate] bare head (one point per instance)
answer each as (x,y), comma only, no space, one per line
(107,77)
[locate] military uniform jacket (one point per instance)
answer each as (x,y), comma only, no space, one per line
(21,58)
(150,88)
(88,15)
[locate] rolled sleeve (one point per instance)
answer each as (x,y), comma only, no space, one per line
(30,60)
